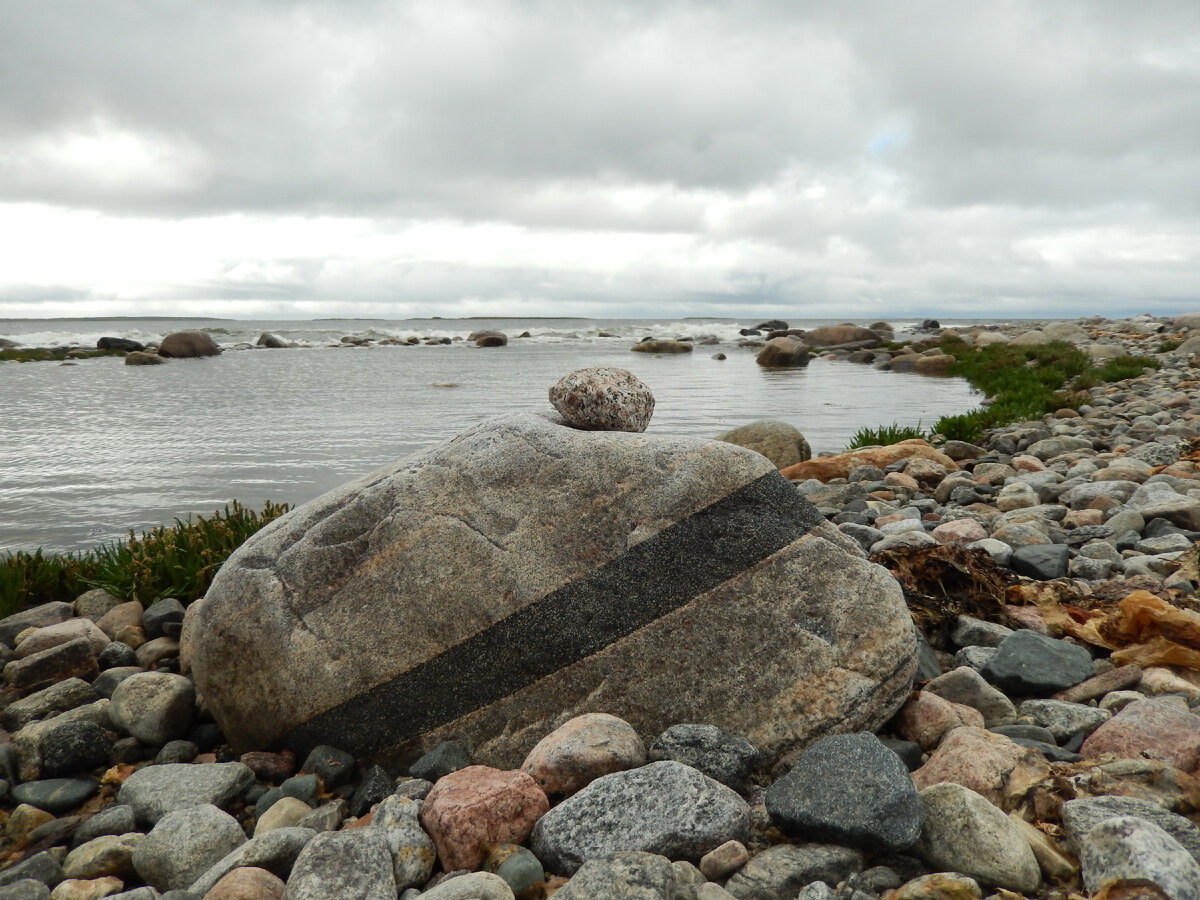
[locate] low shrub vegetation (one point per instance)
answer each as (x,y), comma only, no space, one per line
(178,561)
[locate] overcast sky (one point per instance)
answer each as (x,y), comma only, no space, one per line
(262,158)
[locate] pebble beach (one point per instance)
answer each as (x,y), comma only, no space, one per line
(1050,747)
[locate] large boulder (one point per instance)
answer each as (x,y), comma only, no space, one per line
(837,335)
(778,441)
(783,352)
(188,344)
(494,586)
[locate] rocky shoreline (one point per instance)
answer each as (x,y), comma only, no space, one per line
(1051,747)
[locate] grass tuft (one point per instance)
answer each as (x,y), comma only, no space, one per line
(178,561)
(886,434)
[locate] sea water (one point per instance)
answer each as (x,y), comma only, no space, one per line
(92,450)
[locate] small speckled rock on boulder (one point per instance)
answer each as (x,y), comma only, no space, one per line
(524,573)
(603,398)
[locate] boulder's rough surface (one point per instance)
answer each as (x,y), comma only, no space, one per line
(778,441)
(187,344)
(603,398)
(596,585)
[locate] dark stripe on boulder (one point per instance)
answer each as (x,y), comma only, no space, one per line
(650,580)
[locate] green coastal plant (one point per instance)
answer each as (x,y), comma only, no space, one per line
(1023,382)
(885,434)
(50,354)
(178,561)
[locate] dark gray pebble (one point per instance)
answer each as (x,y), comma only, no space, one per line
(74,747)
(376,785)
(1031,663)
(446,757)
(848,789)
(117,655)
(56,795)
(334,766)
(724,757)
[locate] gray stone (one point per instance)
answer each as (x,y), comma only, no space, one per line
(142,893)
(1129,848)
(446,757)
(74,659)
(47,702)
(727,758)
(971,632)
(778,441)
(157,790)
(355,863)
(160,616)
(1031,663)
(42,867)
(106,682)
(848,789)
(154,707)
(664,807)
(521,871)
(1041,562)
(56,795)
(625,875)
(1081,816)
(1064,719)
(966,686)
(596,588)
(276,851)
(116,818)
(412,848)
(108,854)
(470,886)
(74,747)
(783,870)
(36,617)
(974,657)
(965,833)
(24,889)
(184,845)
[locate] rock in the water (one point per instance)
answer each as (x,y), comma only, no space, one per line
(664,807)
(603,398)
(144,358)
(488,338)
(848,789)
(271,341)
(1133,849)
(661,346)
(778,441)
(610,572)
(117,343)
(188,344)
(783,353)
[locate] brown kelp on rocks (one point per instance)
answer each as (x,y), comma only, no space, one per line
(1048,744)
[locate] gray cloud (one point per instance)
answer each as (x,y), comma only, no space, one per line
(935,155)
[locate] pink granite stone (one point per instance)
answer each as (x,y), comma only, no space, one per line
(926,718)
(959,531)
(603,398)
(1154,729)
(581,750)
(247,883)
(480,805)
(977,759)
